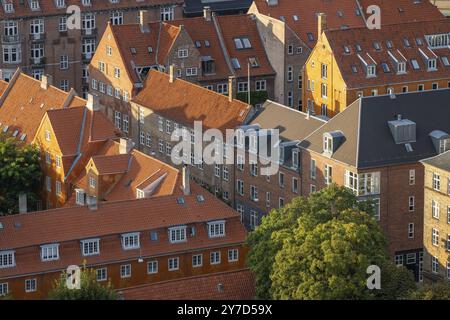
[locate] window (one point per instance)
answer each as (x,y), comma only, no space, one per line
(225,173)
(58,161)
(260,85)
(267,199)
(324,71)
(101,274)
(254,193)
(411,258)
(376,207)
(126,122)
(79,195)
(233,255)
(191,72)
(448,270)
(177,234)
(37,26)
(281,179)
(167,13)
(280,202)
(294,185)
(30,285)
(435,209)
(125,271)
(240,187)
(398,260)
(116,18)
(62,25)
(64,85)
(92,182)
(88,22)
(410,230)
(328,174)
(214,257)
(60,3)
(58,188)
(3,289)
(183,53)
(420,87)
(411,203)
(90,247)
(50,252)
(173,264)
(197,260)
(216,229)
(12,54)
(312,169)
(7,259)
(37,52)
(253,219)
(435,264)
(222,88)
(152,267)
(130,241)
(117,119)
(435,237)
(412,177)
(436,181)
(448,242)
(327,144)
(290,74)
(117,72)
(109,51)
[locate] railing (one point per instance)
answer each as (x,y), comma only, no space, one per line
(11,39)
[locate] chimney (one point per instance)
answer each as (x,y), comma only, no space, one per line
(46,81)
(23,203)
(126,145)
(92,103)
(230,88)
(207,13)
(92,203)
(272,2)
(308,114)
(322,24)
(186,185)
(171,71)
(144,20)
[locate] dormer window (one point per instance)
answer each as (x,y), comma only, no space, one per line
(177,234)
(431,64)
(377,46)
(406,42)
(50,252)
(7,259)
(295,159)
(80,197)
(216,229)
(9,7)
(401,67)
(60,3)
(130,241)
(90,247)
(140,194)
(371,70)
(34,5)
(327,144)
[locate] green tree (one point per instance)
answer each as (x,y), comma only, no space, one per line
(20,172)
(317,248)
(397,283)
(435,291)
(90,288)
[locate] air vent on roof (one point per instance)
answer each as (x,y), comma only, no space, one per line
(408,147)
(220,287)
(403,130)
(133,50)
(180,200)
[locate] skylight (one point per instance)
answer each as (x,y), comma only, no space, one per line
(354,69)
(247,43)
(295,17)
(385,67)
(198,44)
(310,36)
(238,43)
(445,61)
(207,43)
(406,42)
(415,64)
(358,48)
(419,41)
(389,44)
(253,62)
(346,49)
(235,63)
(339,13)
(377,46)
(133,50)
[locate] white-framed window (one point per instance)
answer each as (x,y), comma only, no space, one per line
(117,72)
(7,259)
(108,50)
(30,285)
(412,177)
(88,47)
(117,93)
(435,209)
(197,260)
(173,264)
(294,185)
(225,173)
(64,62)
(411,203)
(101,274)
(254,193)
(126,123)
(191,72)
(214,257)
(62,25)
(161,146)
(222,88)
(240,187)
(58,188)
(58,161)
(167,13)
(233,255)
(183,53)
(260,85)
(12,54)
(267,199)
(328,174)
(436,181)
(148,140)
(216,229)
(177,234)
(90,247)
(92,182)
(116,17)
(125,271)
(253,219)
(4,289)
(50,252)
(410,230)
(168,126)
(130,241)
(324,71)
(64,85)
(435,264)
(37,26)
(242,86)
(281,179)
(376,207)
(411,258)
(398,260)
(117,119)
(435,237)
(94,84)
(152,267)
(88,22)
(79,197)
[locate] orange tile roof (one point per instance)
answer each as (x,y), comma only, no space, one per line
(240,26)
(3,85)
(48,7)
(26,103)
(138,170)
(231,285)
(26,232)
(185,103)
(344,13)
(396,33)
(160,38)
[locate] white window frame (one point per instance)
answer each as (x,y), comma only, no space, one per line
(177,234)
(50,252)
(216,229)
(133,244)
(88,250)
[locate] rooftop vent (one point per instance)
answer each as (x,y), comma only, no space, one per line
(220,287)
(441,141)
(200,198)
(180,200)
(402,130)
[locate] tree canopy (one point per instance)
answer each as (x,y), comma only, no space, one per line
(20,172)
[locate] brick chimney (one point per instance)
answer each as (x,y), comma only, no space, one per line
(321,24)
(186,183)
(126,145)
(93,103)
(171,73)
(144,20)
(207,13)
(46,81)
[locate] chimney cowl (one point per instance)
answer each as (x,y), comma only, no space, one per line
(207,13)
(126,145)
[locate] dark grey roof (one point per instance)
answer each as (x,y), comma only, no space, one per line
(292,124)
(441,161)
(368,139)
(195,7)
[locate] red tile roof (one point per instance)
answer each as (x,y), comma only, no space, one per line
(396,34)
(344,13)
(232,285)
(185,103)
(48,7)
(25,104)
(3,85)
(26,232)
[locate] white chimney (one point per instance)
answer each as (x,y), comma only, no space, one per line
(46,81)
(207,13)
(92,203)
(92,103)
(144,20)
(186,183)
(23,207)
(171,71)
(230,88)
(126,145)
(321,24)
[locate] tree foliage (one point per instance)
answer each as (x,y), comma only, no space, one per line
(435,291)
(90,288)
(319,248)
(20,172)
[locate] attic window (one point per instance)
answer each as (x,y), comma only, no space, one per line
(247,43)
(358,48)
(310,36)
(385,67)
(389,44)
(445,61)
(235,63)
(238,43)
(406,42)
(327,144)
(253,62)
(371,71)
(133,50)
(346,49)
(377,46)
(207,43)
(415,64)
(419,41)
(242,43)
(198,44)
(295,17)
(431,63)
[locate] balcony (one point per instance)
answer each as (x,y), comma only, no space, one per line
(37,37)
(37,62)
(11,39)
